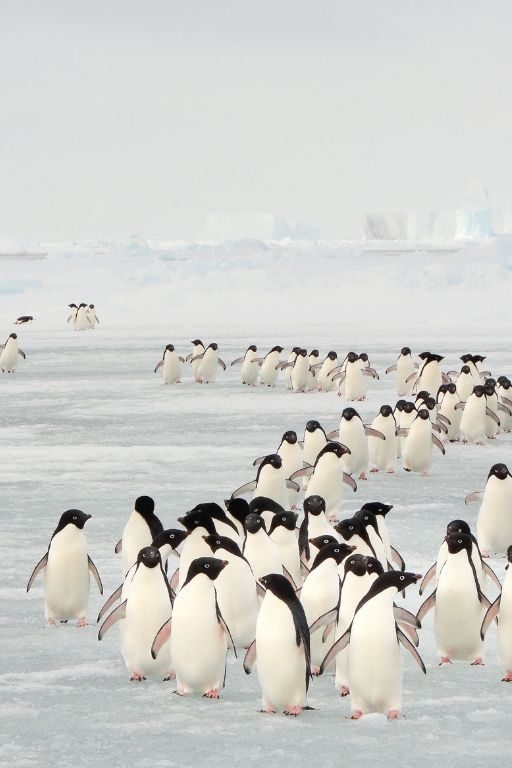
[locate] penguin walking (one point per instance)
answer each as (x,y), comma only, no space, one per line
(464,383)
(92,316)
(374,658)
(270,366)
(494,524)
(260,551)
(250,366)
(288,365)
(270,481)
(209,363)
(199,634)
(314,524)
(351,378)
(459,605)
(450,412)
(473,421)
(406,416)
(290,452)
(504,392)
(353,434)
(145,610)
(419,438)
(404,370)
(383,452)
(72,315)
(501,609)
(82,322)
(492,422)
(323,372)
(282,533)
(140,530)
(313,361)
(66,567)
(429,376)
(299,375)
(281,648)
(195,357)
(198,525)
(314,441)
(170,365)
(9,354)
(327,477)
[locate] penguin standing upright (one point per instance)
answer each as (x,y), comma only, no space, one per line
(354,586)
(171,365)
(380,510)
(270,481)
(464,384)
(429,376)
(9,354)
(313,525)
(299,376)
(494,525)
(270,366)
(353,433)
(504,392)
(66,567)
(351,378)
(383,452)
(72,315)
(492,422)
(290,452)
(287,367)
(281,648)
(262,554)
(419,438)
(404,367)
(405,419)
(250,367)
(209,364)
(82,322)
(198,524)
(314,441)
(450,412)
(282,533)
(473,421)
(323,372)
(92,316)
(327,477)
(194,358)
(502,608)
(313,361)
(140,530)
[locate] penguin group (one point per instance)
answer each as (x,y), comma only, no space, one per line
(83,316)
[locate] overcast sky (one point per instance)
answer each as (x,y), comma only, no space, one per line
(122,117)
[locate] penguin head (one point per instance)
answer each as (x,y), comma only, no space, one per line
(314,353)
(355,564)
(423,395)
(145,506)
(290,437)
(295,350)
(286,520)
(430,403)
(261,504)
(499,471)
(458,541)
(367,518)
(252,348)
(478,358)
(193,520)
(466,358)
(211,508)
(349,413)
(303,353)
(385,410)
(405,351)
(504,382)
(82,305)
(352,357)
(451,388)
(335,551)
(73,517)
(400,405)
(443,389)
(338,449)
(479,391)
(332,355)
(72,306)
(397,579)
(312,425)
(423,414)
(169,347)
(239,508)
(208,566)
(489,387)
(458,526)
(322,541)
(509,554)
(91,306)
(172,536)
(374,567)
(424,355)
(273,459)
(409,407)
(13,335)
(364,357)
(197,343)
(278,349)
(377,507)
(254,523)
(279,586)
(314,505)
(350,527)
(149,556)
(465,369)
(216,542)
(213,346)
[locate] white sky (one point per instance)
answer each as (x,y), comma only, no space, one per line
(123,117)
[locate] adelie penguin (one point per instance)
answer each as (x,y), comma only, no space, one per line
(9,354)
(404,369)
(290,452)
(209,363)
(494,525)
(417,449)
(282,533)
(383,452)
(353,434)
(82,322)
(270,481)
(314,524)
(66,567)
(327,476)
(501,610)
(473,421)
(351,379)
(92,316)
(314,441)
(250,366)
(270,366)
(299,375)
(281,649)
(429,376)
(323,372)
(262,554)
(195,357)
(140,530)
(170,365)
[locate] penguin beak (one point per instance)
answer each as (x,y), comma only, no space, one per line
(226,562)
(88,517)
(352,548)
(180,520)
(417,576)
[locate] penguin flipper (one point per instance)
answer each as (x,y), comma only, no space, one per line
(428,577)
(490,616)
(291,485)
(325,619)
(426,606)
(412,650)
(250,658)
(118,547)
(403,616)
(340,376)
(114,597)
(374,433)
(411,377)
(95,573)
(39,567)
(237,361)
(158,365)
(370,372)
(304,472)
(328,631)
(504,409)
(116,615)
(161,637)
(445,378)
(222,364)
(452,374)
(247,488)
(489,571)
(475,496)
(391,368)
(289,577)
(22,354)
(181,359)
(348,480)
(315,367)
(397,558)
(484,374)
(338,646)
(197,357)
(444,419)
(227,631)
(258,461)
(507,401)
(492,416)
(411,632)
(459,406)
(260,589)
(438,444)
(188,358)
(173,583)
(304,569)
(334,370)
(333,435)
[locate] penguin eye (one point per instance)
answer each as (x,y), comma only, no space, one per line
(171,536)
(351,527)
(402,578)
(336,550)
(459,541)
(75,517)
(217,542)
(352,562)
(283,518)
(207,565)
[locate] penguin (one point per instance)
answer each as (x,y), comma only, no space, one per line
(494,524)
(140,530)
(406,417)
(198,524)
(223,525)
(459,605)
(195,357)
(199,634)
(404,369)
(464,384)
(374,658)
(282,533)
(369,520)
(491,422)
(262,554)
(314,441)
(501,608)
(250,367)
(290,452)
(351,379)
(366,369)
(281,648)
(288,365)
(383,452)
(237,592)
(9,354)
(380,510)
(503,390)
(237,510)
(473,422)
(265,508)
(327,477)
(72,314)
(450,412)
(23,320)
(299,375)
(419,438)
(313,525)
(209,363)
(92,316)
(429,376)
(320,594)
(353,530)
(170,365)
(66,567)
(473,363)
(270,366)
(323,375)
(145,610)
(313,360)
(82,322)
(397,413)
(270,481)
(353,433)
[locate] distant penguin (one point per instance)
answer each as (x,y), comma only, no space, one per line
(270,366)
(23,320)
(140,530)
(355,584)
(72,315)
(417,449)
(368,372)
(429,376)
(66,567)
(9,354)
(313,525)
(351,378)
(314,441)
(262,554)
(250,367)
(373,640)
(209,364)
(492,422)
(291,453)
(170,365)
(504,392)
(92,316)
(199,634)
(270,481)
(353,433)
(407,414)
(145,610)
(82,322)
(327,477)
(450,412)
(502,608)
(404,369)
(281,649)
(313,361)
(473,362)
(494,525)
(195,357)
(288,365)
(464,384)
(383,452)
(459,605)
(236,590)
(323,372)
(299,376)
(473,421)
(282,532)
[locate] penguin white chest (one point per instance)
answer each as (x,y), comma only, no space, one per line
(66,576)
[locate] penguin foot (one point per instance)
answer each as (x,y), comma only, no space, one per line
(211,694)
(50,621)
(445,660)
(390,471)
(268,710)
(356,715)
(484,553)
(344,691)
(137,676)
(64,621)
(478,662)
(362,476)
(508,677)
(360,399)
(178,381)
(394,714)
(315,670)
(82,622)
(293,711)
(374,469)
(170,676)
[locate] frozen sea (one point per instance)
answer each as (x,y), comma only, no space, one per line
(86,423)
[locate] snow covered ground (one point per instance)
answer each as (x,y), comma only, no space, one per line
(86,423)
